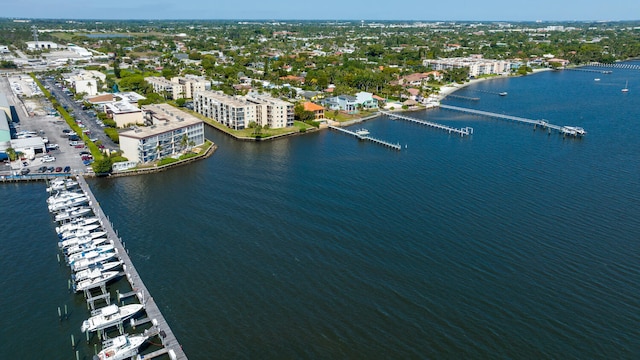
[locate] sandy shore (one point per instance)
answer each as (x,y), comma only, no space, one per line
(450,89)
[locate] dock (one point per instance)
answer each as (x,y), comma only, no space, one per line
(564,130)
(169,342)
(8,177)
(589,70)
(462,131)
(462,97)
(368,138)
(616,65)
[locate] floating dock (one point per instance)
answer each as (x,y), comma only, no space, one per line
(564,130)
(169,342)
(462,131)
(366,137)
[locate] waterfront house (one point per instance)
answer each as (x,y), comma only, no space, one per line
(317,110)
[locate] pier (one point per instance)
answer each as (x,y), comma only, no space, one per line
(463,97)
(564,130)
(369,138)
(168,339)
(589,70)
(616,65)
(462,131)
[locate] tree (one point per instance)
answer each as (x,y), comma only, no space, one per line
(102,166)
(180,102)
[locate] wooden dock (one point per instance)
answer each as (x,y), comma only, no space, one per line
(564,130)
(169,341)
(7,177)
(462,131)
(368,138)
(616,65)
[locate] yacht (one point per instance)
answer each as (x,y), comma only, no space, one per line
(72,213)
(76,224)
(80,240)
(78,231)
(91,245)
(97,251)
(64,196)
(62,205)
(86,263)
(121,347)
(95,271)
(90,283)
(109,316)
(58,185)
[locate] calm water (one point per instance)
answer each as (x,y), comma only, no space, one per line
(509,244)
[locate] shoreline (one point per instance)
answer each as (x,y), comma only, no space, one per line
(447,90)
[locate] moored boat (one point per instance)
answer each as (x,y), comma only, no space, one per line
(109,316)
(90,283)
(95,271)
(86,263)
(121,347)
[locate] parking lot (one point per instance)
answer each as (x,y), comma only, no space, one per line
(46,126)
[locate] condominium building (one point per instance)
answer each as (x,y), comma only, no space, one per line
(173,131)
(238,112)
(124,113)
(476,64)
(178,87)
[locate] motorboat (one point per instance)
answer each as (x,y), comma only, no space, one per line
(95,271)
(86,263)
(121,347)
(91,245)
(626,87)
(504,93)
(72,213)
(362,132)
(64,196)
(80,240)
(77,223)
(90,283)
(62,205)
(61,184)
(84,231)
(73,258)
(596,79)
(109,316)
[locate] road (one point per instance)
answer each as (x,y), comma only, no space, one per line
(75,110)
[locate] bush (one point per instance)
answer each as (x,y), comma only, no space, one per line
(110,123)
(112,134)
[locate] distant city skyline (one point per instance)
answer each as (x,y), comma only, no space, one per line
(488,10)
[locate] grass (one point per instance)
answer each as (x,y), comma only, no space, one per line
(346,117)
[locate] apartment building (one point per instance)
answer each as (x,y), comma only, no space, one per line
(476,64)
(124,113)
(178,87)
(238,112)
(172,131)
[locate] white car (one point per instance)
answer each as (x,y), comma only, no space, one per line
(48,158)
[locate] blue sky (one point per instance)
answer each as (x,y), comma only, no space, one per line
(548,10)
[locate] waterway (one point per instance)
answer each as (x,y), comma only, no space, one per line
(511,243)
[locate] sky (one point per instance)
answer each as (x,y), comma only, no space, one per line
(483,10)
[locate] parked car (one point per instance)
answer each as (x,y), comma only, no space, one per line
(42,169)
(80,146)
(85,153)
(58,169)
(25,171)
(48,158)
(67,169)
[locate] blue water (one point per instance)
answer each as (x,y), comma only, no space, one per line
(511,243)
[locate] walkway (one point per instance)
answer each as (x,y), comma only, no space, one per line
(449,129)
(369,138)
(167,337)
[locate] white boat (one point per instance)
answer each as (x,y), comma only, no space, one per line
(121,347)
(109,316)
(596,79)
(77,223)
(73,258)
(80,230)
(86,263)
(626,87)
(61,184)
(90,283)
(80,240)
(362,132)
(62,205)
(95,271)
(72,213)
(64,196)
(91,245)
(504,93)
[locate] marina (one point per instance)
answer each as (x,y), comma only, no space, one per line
(364,135)
(460,131)
(94,265)
(564,130)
